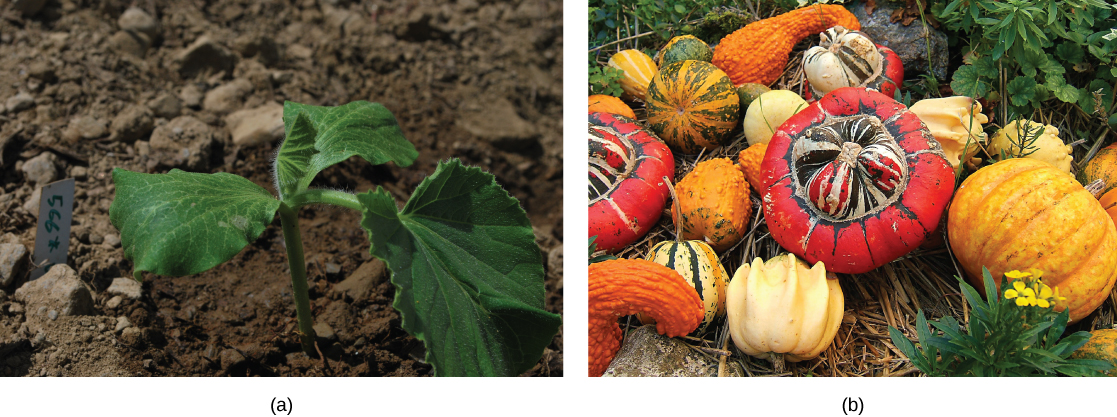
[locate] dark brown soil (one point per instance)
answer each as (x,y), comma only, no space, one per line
(473,79)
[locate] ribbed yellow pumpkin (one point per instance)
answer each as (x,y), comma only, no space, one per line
(1022,213)
(692,105)
(638,70)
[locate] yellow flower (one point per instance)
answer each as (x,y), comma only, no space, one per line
(1024,296)
(1015,275)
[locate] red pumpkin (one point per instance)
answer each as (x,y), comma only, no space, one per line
(855,181)
(626,169)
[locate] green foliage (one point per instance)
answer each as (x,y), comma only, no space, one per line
(605,80)
(599,258)
(716,24)
(1048,50)
(467,271)
(1002,338)
(612,20)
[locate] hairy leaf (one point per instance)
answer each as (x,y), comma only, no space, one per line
(183,223)
(468,273)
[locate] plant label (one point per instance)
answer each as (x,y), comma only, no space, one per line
(52,238)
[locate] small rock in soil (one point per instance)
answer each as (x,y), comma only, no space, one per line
(79,173)
(31,206)
(205,56)
(190,141)
(137,20)
(130,42)
(112,240)
(325,332)
(495,120)
(231,359)
(122,323)
(20,102)
(43,71)
(132,124)
(83,127)
(258,126)
(359,285)
(114,302)
(59,289)
(647,353)
(191,95)
(166,105)
(909,42)
(14,260)
(125,287)
(132,336)
(228,97)
(42,169)
(262,47)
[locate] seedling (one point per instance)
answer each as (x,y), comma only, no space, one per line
(463,258)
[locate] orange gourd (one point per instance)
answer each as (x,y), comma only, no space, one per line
(608,104)
(714,198)
(1023,213)
(749,162)
(1103,166)
(758,52)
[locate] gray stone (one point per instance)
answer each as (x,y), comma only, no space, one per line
(258,126)
(495,119)
(263,48)
(79,173)
(20,102)
(137,20)
(14,260)
(191,95)
(909,42)
(114,302)
(41,170)
(231,359)
(31,206)
(228,97)
(132,336)
(84,127)
(324,332)
(122,323)
(132,124)
(204,56)
(28,7)
(190,142)
(166,106)
(130,42)
(112,240)
(359,284)
(647,353)
(59,289)
(126,287)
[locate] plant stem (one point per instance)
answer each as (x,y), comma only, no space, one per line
(289,218)
(319,196)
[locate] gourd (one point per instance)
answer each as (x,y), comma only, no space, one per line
(749,161)
(1028,139)
(749,92)
(768,112)
(1102,346)
(692,105)
(1022,213)
(638,70)
(626,190)
(854,181)
(956,123)
(621,287)
(1103,166)
(848,58)
(758,52)
(784,306)
(683,48)
(715,204)
(608,104)
(699,266)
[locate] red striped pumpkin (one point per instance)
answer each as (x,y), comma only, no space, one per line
(692,105)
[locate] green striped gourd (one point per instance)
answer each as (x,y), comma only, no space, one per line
(692,105)
(682,48)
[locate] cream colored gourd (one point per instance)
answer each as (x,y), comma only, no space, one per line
(784,306)
(956,123)
(1047,148)
(846,58)
(768,112)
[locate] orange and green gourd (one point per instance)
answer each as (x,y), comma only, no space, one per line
(1102,346)
(692,105)
(683,48)
(758,52)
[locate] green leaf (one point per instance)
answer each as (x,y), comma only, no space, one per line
(328,135)
(183,223)
(467,271)
(1058,86)
(1021,90)
(1031,61)
(966,82)
(1070,52)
